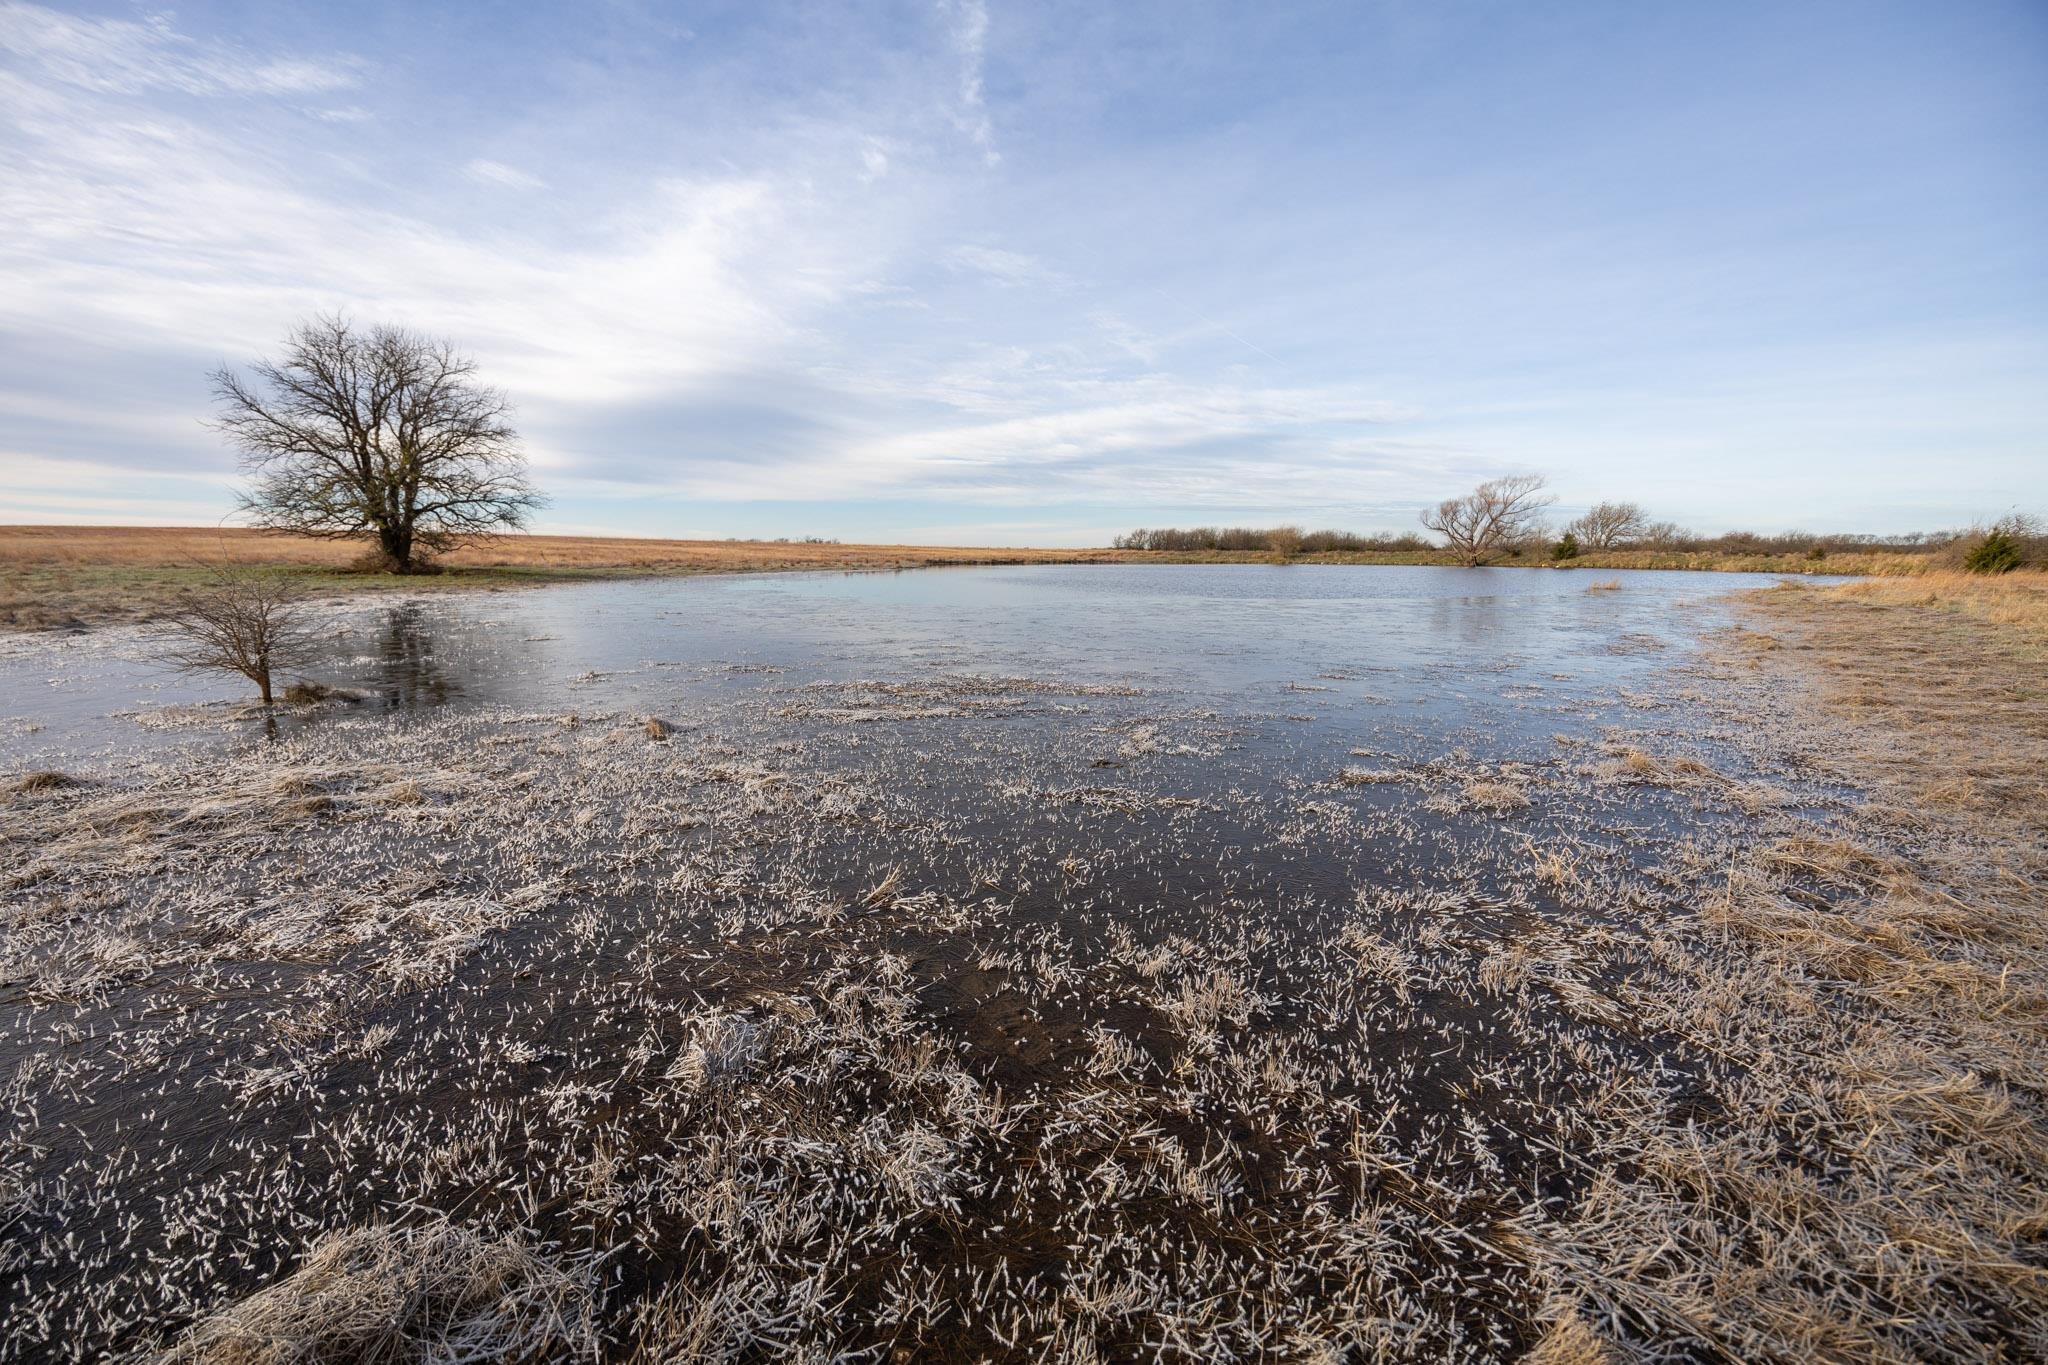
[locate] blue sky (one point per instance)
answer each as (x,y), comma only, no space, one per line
(994,272)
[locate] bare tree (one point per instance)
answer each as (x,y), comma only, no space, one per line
(246,621)
(1499,515)
(1284,541)
(1611,526)
(1664,535)
(381,432)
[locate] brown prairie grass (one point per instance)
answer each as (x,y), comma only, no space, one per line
(1496,798)
(63,577)
(173,546)
(42,781)
(1568,1341)
(1892,995)
(2016,600)
(1354,776)
(438,1292)
(1885,563)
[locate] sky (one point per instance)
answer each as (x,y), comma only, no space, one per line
(996,272)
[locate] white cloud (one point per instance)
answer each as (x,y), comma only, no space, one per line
(129,57)
(497,173)
(150,228)
(34,488)
(874,159)
(969,20)
(140,227)
(1011,269)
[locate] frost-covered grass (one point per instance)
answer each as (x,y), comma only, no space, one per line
(884,1021)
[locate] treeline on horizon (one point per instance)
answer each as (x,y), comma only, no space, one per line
(1666,538)
(1504,518)
(1252,538)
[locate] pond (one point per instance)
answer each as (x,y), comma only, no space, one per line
(1479,652)
(990,963)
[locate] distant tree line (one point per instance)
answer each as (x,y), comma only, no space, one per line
(1285,539)
(1504,519)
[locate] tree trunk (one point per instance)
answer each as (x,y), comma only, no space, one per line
(263,684)
(396,546)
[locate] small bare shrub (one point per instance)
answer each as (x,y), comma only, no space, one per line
(240,621)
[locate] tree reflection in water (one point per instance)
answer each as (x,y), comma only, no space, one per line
(409,673)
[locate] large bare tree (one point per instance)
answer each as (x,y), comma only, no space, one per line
(377,432)
(1492,519)
(1611,526)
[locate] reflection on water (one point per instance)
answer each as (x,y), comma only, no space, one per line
(409,672)
(1439,647)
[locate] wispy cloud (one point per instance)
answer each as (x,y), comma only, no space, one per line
(152,226)
(124,56)
(784,262)
(144,226)
(1010,269)
(970,25)
(497,173)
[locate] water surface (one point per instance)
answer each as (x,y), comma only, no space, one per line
(1447,649)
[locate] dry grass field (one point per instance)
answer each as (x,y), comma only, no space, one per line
(61,577)
(2016,600)
(65,577)
(170,546)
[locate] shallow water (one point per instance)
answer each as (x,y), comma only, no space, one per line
(440,946)
(1480,654)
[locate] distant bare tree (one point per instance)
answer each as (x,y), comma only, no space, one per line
(382,433)
(1664,535)
(1284,541)
(1611,526)
(1492,519)
(246,621)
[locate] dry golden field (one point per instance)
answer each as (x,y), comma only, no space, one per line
(171,546)
(2018,600)
(56,577)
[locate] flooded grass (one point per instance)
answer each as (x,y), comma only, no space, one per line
(992,1015)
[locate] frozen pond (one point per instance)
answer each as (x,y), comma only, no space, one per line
(1000,963)
(1480,652)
